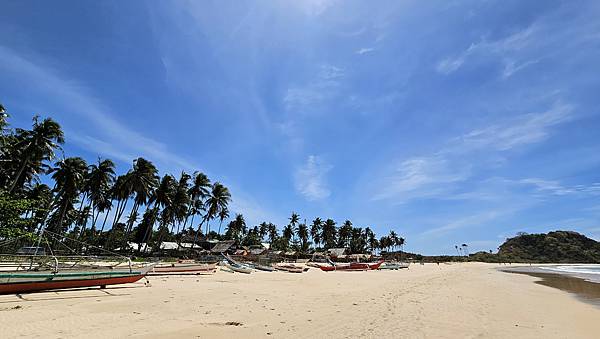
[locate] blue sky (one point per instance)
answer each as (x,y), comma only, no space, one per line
(449,121)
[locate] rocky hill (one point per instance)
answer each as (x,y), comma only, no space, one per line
(554,247)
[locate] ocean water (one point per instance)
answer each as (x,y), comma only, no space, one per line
(589,272)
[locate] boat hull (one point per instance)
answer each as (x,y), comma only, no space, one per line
(34,286)
(183,268)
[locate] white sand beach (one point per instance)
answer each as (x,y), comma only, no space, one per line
(446,301)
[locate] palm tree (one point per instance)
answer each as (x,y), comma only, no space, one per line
(263,230)
(141,182)
(100,179)
(223,214)
(181,200)
(465,248)
(294,219)
(345,233)
(199,191)
(303,236)
(315,231)
(163,198)
(273,234)
(236,228)
(35,147)
(371,239)
(121,191)
(329,234)
(218,200)
(69,178)
(393,239)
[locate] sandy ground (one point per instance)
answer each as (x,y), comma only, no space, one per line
(447,301)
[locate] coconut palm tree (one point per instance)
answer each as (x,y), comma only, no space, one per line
(315,231)
(294,219)
(100,179)
(345,233)
(263,230)
(218,200)
(163,198)
(370,239)
(35,148)
(329,234)
(393,239)
(141,182)
(181,200)
(223,214)
(121,191)
(69,177)
(199,191)
(273,234)
(303,236)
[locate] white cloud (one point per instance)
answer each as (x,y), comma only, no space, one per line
(419,178)
(511,43)
(310,179)
(556,188)
(365,50)
(437,175)
(526,129)
(325,85)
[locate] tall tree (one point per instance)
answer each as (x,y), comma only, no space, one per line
(100,179)
(141,182)
(303,236)
(35,148)
(69,176)
(315,231)
(218,200)
(329,234)
(345,233)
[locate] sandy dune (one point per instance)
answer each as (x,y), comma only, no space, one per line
(430,301)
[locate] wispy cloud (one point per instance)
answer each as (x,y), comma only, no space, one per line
(310,179)
(465,222)
(365,50)
(324,86)
(512,43)
(556,188)
(75,97)
(526,129)
(435,175)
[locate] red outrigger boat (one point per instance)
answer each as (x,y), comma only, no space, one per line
(32,281)
(355,266)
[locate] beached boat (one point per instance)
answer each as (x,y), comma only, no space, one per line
(183,268)
(262,267)
(290,268)
(31,281)
(354,266)
(237,268)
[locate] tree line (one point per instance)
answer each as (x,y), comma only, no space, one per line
(71,200)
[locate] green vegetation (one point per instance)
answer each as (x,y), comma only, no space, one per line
(75,203)
(554,247)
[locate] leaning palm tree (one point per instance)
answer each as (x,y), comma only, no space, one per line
(141,181)
(69,178)
(218,200)
(181,200)
(121,191)
(393,239)
(100,179)
(162,198)
(199,191)
(223,214)
(35,147)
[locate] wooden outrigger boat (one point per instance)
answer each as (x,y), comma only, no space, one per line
(354,266)
(32,281)
(291,268)
(183,268)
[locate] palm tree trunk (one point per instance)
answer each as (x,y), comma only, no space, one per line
(220,223)
(105,217)
(116,213)
(19,173)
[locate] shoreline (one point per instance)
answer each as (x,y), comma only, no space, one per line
(584,287)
